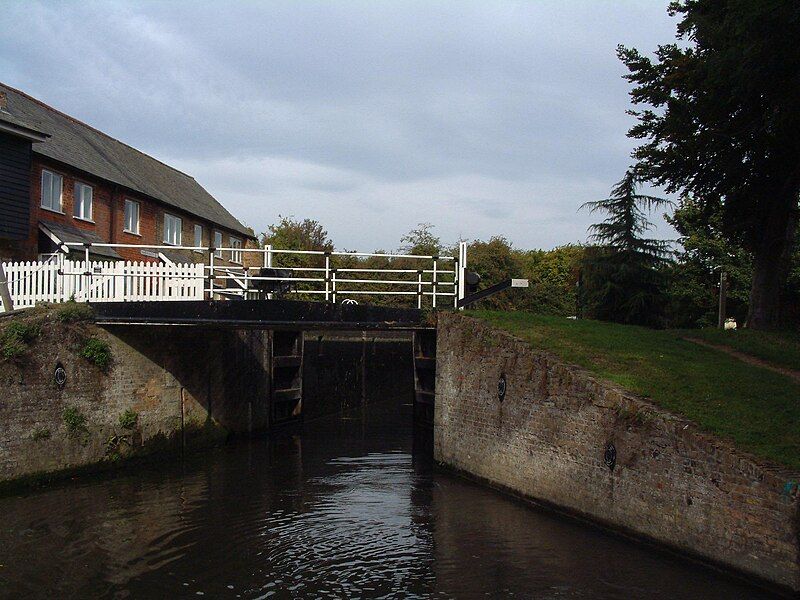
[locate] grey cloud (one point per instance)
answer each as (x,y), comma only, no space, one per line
(369,116)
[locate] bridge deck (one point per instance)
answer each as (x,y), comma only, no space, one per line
(261,314)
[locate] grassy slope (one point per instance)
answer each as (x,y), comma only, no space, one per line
(779,348)
(757,409)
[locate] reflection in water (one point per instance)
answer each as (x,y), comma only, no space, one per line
(345,512)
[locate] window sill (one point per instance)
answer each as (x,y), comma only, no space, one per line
(58,212)
(131,233)
(77,218)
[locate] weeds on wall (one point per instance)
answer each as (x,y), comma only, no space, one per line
(97,351)
(16,337)
(73,312)
(75,422)
(129,419)
(40,433)
(116,444)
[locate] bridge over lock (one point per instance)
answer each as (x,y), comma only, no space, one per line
(286,294)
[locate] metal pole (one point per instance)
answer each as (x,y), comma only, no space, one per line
(5,295)
(419,289)
(333,283)
(723,292)
(246,282)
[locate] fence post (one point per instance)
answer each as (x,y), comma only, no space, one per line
(455,282)
(5,295)
(268,264)
(435,260)
(246,282)
(462,271)
(723,297)
(211,250)
(327,276)
(333,282)
(88,273)
(419,288)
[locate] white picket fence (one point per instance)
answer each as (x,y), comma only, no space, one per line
(113,281)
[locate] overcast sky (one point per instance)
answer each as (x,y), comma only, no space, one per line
(485,118)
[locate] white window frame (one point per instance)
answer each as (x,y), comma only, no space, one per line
(198,242)
(52,178)
(173,226)
(217,244)
(236,255)
(79,201)
(129,202)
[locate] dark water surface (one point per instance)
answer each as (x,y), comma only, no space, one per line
(344,511)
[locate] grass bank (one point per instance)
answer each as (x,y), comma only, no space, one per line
(757,409)
(781,348)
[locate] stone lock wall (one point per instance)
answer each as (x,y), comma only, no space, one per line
(187,388)
(547,441)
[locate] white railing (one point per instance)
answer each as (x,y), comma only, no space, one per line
(101,281)
(333,276)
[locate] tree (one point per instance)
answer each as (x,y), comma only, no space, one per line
(694,277)
(721,122)
(291,234)
(421,241)
(553,276)
(621,278)
(495,261)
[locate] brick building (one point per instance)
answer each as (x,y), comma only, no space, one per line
(63,181)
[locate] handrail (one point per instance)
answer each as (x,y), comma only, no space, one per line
(431,280)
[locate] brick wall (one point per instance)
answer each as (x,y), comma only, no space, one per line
(108,217)
(184,386)
(546,441)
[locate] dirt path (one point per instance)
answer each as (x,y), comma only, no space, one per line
(792,373)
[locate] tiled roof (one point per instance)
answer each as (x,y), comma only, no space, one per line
(76,144)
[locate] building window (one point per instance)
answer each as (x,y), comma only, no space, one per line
(131,217)
(236,255)
(198,236)
(218,244)
(83,201)
(172,229)
(51,191)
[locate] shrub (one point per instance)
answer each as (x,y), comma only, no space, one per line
(97,351)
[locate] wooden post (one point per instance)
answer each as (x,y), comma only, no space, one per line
(5,295)
(723,293)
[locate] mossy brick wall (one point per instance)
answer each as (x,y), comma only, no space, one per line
(187,386)
(546,441)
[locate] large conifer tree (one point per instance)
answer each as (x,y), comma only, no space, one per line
(621,276)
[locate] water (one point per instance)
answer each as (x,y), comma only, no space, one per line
(346,510)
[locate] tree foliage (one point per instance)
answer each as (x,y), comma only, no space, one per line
(421,241)
(622,277)
(292,234)
(718,118)
(705,252)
